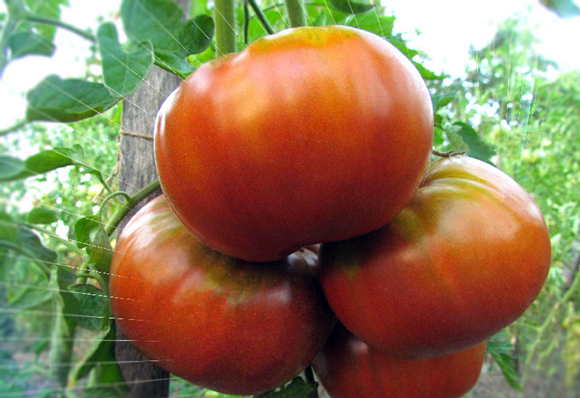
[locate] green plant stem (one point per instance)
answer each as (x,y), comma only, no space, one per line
(544,327)
(110,196)
(261,16)
(55,22)
(104,182)
(70,245)
(130,205)
(101,277)
(296,13)
(225,26)
(246,22)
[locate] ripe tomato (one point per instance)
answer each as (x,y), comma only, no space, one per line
(221,323)
(348,368)
(466,258)
(310,135)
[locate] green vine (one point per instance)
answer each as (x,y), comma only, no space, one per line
(225,26)
(132,201)
(296,13)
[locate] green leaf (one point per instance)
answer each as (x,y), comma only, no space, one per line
(101,355)
(15,169)
(102,392)
(161,22)
(123,71)
(100,250)
(48,8)
(463,137)
(296,388)
(501,350)
(41,215)
(322,19)
(33,247)
(92,302)
(23,241)
(442,100)
(563,8)
(10,167)
(82,230)
(438,137)
(31,296)
(370,21)
(89,233)
(63,328)
(67,100)
(351,7)
(29,43)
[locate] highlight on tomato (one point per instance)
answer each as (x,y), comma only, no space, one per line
(221,323)
(310,135)
(349,368)
(464,259)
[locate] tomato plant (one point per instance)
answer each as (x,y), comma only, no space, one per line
(221,323)
(309,135)
(348,368)
(464,259)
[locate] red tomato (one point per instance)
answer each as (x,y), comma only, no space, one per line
(310,135)
(221,323)
(348,368)
(466,258)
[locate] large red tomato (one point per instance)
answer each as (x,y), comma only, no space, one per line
(307,136)
(466,258)
(348,368)
(228,325)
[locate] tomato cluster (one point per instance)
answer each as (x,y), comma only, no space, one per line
(321,136)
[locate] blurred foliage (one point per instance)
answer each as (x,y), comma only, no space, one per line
(520,104)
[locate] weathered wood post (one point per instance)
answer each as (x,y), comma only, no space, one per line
(137,169)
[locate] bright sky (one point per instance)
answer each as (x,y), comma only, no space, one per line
(447,29)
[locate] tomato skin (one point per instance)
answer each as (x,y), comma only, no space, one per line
(307,136)
(231,326)
(466,258)
(348,368)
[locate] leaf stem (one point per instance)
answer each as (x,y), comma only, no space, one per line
(110,196)
(71,246)
(104,182)
(225,26)
(131,203)
(261,16)
(41,19)
(296,13)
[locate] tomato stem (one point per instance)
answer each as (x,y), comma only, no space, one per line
(40,19)
(261,16)
(225,26)
(130,205)
(296,13)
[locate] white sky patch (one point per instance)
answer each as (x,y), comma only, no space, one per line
(448,28)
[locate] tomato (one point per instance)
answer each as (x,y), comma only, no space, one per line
(221,323)
(464,259)
(348,368)
(310,135)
